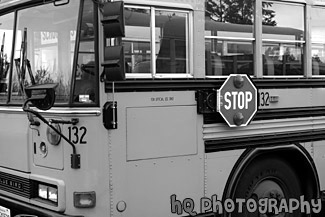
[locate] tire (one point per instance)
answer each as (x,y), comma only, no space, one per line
(267,178)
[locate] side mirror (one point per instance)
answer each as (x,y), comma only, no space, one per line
(42,96)
(113,19)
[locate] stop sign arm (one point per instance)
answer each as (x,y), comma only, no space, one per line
(236,100)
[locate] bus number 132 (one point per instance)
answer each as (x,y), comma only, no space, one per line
(77,135)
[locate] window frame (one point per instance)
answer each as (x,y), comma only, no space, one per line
(227,39)
(258,41)
(69,103)
(303,42)
(9,87)
(317,43)
(189,36)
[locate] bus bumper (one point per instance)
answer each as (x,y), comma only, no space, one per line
(18,208)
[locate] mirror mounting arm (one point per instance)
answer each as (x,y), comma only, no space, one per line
(75,158)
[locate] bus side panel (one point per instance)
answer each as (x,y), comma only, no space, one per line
(151,158)
(152,184)
(155,132)
(218,168)
(317,151)
(14,141)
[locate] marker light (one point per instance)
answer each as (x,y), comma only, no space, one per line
(53,137)
(238,81)
(84,199)
(49,193)
(238,118)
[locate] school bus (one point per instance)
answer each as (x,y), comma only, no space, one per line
(162,108)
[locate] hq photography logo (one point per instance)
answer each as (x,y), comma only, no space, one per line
(262,206)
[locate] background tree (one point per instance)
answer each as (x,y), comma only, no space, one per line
(238,11)
(268,14)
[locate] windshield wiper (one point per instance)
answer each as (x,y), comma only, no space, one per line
(4,65)
(21,64)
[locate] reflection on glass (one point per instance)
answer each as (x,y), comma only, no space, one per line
(50,46)
(283,39)
(229,36)
(85,80)
(282,59)
(318,41)
(6,35)
(235,11)
(137,40)
(278,23)
(228,57)
(171,42)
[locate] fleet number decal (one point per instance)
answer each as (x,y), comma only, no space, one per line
(77,134)
(264,98)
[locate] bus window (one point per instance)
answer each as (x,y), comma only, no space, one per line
(229,38)
(6,35)
(171,41)
(318,41)
(137,39)
(86,78)
(283,39)
(159,50)
(50,47)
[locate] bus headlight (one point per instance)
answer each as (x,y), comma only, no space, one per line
(48,192)
(53,194)
(42,191)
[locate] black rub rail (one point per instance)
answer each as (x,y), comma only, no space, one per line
(274,139)
(199,84)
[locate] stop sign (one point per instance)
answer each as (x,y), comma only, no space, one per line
(237,100)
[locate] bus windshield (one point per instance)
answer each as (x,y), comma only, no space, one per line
(50,46)
(51,34)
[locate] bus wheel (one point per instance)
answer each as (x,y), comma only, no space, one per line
(263,183)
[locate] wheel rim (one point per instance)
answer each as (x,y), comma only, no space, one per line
(269,188)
